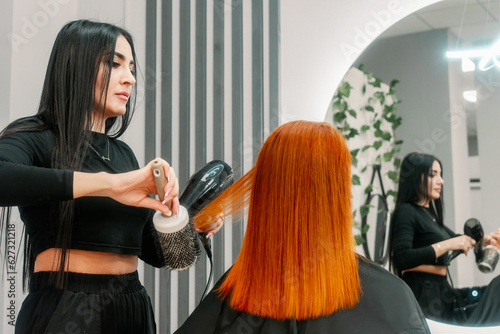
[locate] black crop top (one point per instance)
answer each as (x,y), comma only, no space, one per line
(414,232)
(100,224)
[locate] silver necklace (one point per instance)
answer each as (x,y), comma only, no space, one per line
(99,154)
(428,213)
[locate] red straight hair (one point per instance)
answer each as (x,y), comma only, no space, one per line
(298,256)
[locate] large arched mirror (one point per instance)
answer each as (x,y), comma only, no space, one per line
(448,107)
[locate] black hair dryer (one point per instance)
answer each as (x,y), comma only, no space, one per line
(203,187)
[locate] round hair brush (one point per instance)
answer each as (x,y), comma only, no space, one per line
(176,233)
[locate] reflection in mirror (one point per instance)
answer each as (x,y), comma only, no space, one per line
(448,108)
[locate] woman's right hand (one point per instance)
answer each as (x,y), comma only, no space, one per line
(130,188)
(463,243)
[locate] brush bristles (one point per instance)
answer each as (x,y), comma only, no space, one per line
(179,249)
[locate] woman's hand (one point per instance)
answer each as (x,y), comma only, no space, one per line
(215,226)
(463,243)
(130,188)
(492,238)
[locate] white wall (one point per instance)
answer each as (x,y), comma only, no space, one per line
(320,39)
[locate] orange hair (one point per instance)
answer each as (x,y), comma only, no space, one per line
(298,256)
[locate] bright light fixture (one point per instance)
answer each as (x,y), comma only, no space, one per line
(468,65)
(470,96)
(488,56)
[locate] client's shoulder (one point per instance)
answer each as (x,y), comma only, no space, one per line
(373,275)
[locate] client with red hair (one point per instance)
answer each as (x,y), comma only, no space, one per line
(297,271)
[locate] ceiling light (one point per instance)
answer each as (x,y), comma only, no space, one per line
(488,56)
(470,96)
(468,65)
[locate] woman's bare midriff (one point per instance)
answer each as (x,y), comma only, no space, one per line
(87,262)
(430,269)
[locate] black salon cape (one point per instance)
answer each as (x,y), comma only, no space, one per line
(386,306)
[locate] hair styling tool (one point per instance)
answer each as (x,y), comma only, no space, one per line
(176,233)
(202,188)
(486,257)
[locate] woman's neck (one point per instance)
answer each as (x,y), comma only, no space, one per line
(424,203)
(98,123)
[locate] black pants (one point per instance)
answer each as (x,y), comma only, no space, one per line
(464,306)
(89,304)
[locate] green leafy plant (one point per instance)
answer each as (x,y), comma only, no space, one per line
(381,124)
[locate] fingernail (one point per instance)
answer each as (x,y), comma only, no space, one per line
(168,192)
(209,234)
(198,230)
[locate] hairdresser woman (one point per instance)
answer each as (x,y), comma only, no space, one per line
(298,271)
(420,245)
(80,192)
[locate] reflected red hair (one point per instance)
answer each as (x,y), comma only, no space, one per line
(298,256)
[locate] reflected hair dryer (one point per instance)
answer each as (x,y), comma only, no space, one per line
(486,257)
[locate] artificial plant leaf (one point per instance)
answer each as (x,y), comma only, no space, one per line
(377,144)
(352,133)
(354,162)
(387,110)
(396,123)
(340,105)
(365,128)
(380,96)
(391,118)
(365,209)
(388,156)
(345,89)
(369,189)
(359,239)
(355,180)
(376,82)
(391,192)
(386,135)
(339,117)
(365,148)
(364,229)
(393,176)
(352,113)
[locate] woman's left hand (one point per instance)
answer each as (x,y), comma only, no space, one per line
(492,238)
(215,227)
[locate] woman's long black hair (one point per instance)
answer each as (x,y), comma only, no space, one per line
(413,188)
(66,108)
